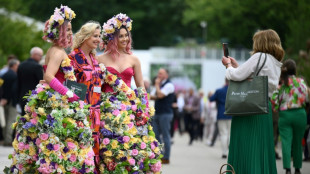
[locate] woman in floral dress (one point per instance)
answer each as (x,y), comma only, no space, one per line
(127,144)
(54,135)
(87,71)
(290,101)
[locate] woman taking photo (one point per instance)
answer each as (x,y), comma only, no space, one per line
(251,148)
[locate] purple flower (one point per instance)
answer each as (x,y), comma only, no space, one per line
(103,150)
(53,164)
(155,143)
(143,101)
(112,99)
(83,170)
(22,119)
(67,68)
(136,92)
(50,35)
(132,102)
(65,149)
(141,166)
(123,159)
(50,146)
(106,133)
(12,168)
(120,140)
(81,135)
(28,139)
(42,161)
(116,82)
(28,125)
(55,24)
(33,92)
(134,146)
(136,172)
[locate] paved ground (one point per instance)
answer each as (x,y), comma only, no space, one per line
(185,159)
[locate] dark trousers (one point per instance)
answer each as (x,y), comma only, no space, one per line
(193,129)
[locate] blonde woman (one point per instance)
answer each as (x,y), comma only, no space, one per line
(251,148)
(88,72)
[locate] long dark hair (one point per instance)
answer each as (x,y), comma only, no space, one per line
(288,69)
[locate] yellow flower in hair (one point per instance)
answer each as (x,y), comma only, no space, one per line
(67,15)
(130,27)
(51,19)
(112,30)
(73,14)
(119,23)
(60,21)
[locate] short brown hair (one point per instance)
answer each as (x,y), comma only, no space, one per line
(268,41)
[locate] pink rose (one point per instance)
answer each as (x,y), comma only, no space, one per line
(26,146)
(71,145)
(81,104)
(102,123)
(126,139)
(156,167)
(134,107)
(34,121)
(60,157)
(123,107)
(130,125)
(72,158)
(106,141)
(115,112)
(91,154)
(20,166)
(27,109)
(21,146)
(38,141)
(134,152)
(143,145)
(74,170)
(132,116)
(39,90)
(44,136)
(152,155)
(89,162)
(132,161)
(153,146)
(56,147)
(35,157)
(34,114)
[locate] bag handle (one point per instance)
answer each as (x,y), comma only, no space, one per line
(232,169)
(256,72)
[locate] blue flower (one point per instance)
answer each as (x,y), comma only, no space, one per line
(112,99)
(28,125)
(141,166)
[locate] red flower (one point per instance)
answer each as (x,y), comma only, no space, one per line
(111,166)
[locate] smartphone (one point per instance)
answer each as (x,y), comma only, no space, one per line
(225,49)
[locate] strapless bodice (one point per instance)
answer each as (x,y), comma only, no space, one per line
(125,75)
(59,75)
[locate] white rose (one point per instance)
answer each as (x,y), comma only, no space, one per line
(69,93)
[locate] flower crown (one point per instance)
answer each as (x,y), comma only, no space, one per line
(56,20)
(114,24)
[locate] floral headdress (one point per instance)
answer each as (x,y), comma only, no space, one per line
(56,20)
(114,24)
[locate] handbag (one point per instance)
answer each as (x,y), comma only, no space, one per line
(250,96)
(232,171)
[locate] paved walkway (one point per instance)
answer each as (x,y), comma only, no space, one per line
(195,159)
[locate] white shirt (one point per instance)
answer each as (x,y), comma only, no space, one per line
(166,90)
(180,102)
(272,69)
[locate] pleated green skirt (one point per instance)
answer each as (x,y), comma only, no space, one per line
(251,148)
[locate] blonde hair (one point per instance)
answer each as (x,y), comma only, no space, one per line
(268,41)
(85,32)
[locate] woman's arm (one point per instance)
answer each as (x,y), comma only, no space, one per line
(138,72)
(53,65)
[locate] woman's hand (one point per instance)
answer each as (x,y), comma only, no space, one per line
(226,61)
(234,63)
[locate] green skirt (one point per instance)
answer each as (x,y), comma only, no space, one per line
(251,148)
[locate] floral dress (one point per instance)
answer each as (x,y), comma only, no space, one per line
(54,135)
(127,141)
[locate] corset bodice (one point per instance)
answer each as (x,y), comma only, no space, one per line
(59,75)
(125,75)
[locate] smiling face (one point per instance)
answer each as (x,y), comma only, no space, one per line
(94,40)
(69,33)
(123,39)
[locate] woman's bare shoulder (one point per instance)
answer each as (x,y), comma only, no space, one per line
(103,58)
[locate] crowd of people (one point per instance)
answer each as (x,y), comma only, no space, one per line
(55,130)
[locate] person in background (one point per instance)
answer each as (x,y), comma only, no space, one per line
(9,99)
(202,103)
(29,74)
(193,113)
(251,147)
(223,121)
(6,67)
(208,118)
(163,96)
(290,101)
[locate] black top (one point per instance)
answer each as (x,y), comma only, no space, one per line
(10,87)
(164,105)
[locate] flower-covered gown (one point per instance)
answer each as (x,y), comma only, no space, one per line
(127,143)
(53,136)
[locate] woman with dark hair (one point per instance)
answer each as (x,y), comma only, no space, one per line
(127,143)
(290,101)
(251,148)
(54,135)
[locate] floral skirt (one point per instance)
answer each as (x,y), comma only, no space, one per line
(53,136)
